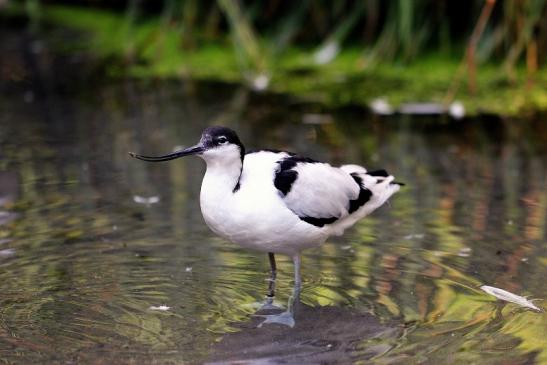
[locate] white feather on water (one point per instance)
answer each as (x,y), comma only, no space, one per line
(510,297)
(146,200)
(159,308)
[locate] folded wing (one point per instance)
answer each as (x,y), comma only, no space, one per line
(319,193)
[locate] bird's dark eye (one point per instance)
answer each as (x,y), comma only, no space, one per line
(222,140)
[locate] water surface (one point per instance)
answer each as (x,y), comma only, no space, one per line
(83,259)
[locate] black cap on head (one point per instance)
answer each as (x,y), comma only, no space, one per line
(217,135)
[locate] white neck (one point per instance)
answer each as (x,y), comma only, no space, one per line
(221,177)
(217,195)
(217,198)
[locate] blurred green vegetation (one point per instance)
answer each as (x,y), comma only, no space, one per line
(490,55)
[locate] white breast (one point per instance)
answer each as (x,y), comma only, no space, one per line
(255,216)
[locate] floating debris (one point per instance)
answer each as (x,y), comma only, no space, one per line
(159,308)
(260,82)
(465,252)
(456,110)
(510,297)
(7,252)
(146,200)
(381,106)
(418,236)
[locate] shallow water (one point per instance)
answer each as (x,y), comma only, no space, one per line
(83,258)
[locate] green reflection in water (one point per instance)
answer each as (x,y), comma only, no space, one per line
(88,262)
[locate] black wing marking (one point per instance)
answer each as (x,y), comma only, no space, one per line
(364,195)
(285,176)
(382,173)
(316,192)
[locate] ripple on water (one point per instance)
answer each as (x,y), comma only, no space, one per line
(81,263)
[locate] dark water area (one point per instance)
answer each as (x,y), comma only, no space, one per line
(92,242)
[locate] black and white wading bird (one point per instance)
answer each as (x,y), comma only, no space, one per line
(279,202)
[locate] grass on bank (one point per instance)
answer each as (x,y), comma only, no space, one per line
(153,48)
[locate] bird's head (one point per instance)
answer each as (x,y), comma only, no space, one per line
(217,145)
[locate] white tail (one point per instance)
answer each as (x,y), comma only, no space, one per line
(381,187)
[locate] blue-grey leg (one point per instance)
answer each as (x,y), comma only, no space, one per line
(297,279)
(287,317)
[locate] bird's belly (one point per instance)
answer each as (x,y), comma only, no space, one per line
(260,225)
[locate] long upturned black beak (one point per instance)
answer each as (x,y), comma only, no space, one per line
(186,152)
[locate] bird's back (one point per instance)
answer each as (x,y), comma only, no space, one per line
(323,196)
